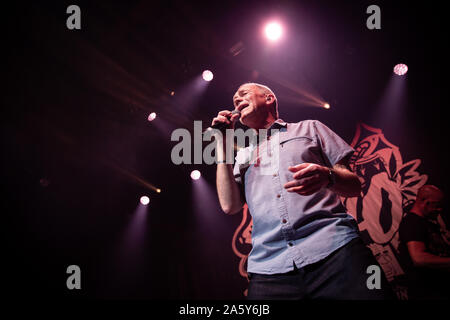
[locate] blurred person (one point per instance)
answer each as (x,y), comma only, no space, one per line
(423,249)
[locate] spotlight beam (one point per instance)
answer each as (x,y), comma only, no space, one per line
(133,177)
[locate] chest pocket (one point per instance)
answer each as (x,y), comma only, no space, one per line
(300,149)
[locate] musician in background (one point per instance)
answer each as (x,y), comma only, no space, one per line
(423,249)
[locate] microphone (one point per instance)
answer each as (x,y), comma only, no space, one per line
(222,126)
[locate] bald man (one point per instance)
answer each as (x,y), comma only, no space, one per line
(425,253)
(304,243)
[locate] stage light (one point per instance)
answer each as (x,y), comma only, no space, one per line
(195,175)
(400,69)
(151,116)
(326,106)
(145,200)
(273,31)
(207,75)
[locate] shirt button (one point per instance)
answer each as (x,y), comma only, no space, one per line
(290,244)
(284,221)
(278,195)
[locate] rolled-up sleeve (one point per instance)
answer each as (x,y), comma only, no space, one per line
(239,169)
(237,174)
(334,147)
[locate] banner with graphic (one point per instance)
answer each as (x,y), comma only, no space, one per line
(389,188)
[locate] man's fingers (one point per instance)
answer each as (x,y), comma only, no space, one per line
(297,182)
(224,113)
(235,116)
(224,119)
(225,116)
(291,184)
(305,172)
(310,190)
(306,190)
(220,118)
(298,167)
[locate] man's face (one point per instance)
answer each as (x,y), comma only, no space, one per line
(434,205)
(251,102)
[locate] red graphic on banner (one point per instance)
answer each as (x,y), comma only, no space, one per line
(242,240)
(388,185)
(389,188)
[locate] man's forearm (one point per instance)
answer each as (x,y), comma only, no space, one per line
(426,259)
(227,189)
(347,183)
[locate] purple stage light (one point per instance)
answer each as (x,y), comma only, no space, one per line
(273,31)
(145,200)
(400,69)
(195,175)
(151,116)
(207,75)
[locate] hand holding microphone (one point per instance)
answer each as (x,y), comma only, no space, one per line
(225,120)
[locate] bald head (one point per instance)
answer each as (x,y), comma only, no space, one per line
(267,91)
(429,201)
(429,192)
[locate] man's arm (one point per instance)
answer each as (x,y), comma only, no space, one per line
(230,197)
(347,183)
(309,178)
(422,258)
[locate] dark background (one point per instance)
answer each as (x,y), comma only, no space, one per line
(75,104)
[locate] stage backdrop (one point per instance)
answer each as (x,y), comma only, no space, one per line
(389,188)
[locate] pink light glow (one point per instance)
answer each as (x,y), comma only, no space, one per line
(195,175)
(207,75)
(151,116)
(400,69)
(145,200)
(273,31)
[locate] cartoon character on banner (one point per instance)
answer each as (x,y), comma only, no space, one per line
(389,188)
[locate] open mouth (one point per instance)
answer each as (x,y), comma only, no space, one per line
(243,106)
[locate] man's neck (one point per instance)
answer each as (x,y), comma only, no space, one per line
(268,122)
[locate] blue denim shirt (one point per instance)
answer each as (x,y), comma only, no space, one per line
(290,228)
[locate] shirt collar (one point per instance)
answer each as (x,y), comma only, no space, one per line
(277,124)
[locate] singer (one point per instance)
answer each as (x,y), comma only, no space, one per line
(304,243)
